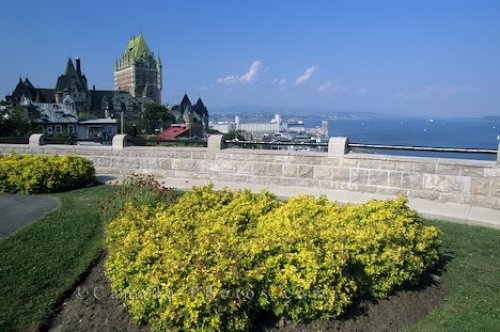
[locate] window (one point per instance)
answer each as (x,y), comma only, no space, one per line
(71,129)
(49,130)
(58,129)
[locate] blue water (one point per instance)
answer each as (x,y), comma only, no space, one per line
(460,133)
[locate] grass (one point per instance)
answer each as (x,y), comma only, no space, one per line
(42,261)
(471,278)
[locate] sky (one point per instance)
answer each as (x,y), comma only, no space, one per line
(437,58)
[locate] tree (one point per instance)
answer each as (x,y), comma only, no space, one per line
(156,117)
(14,122)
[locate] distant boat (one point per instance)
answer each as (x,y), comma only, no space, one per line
(431,120)
(498,137)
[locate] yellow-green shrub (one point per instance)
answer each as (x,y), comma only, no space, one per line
(214,259)
(41,173)
(190,259)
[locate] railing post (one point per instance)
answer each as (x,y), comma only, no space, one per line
(215,143)
(36,140)
(338,146)
(498,155)
(119,142)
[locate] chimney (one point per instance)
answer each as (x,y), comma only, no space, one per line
(78,68)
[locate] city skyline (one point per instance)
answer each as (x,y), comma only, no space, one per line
(416,58)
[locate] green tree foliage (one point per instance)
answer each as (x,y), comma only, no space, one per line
(14,122)
(214,259)
(156,117)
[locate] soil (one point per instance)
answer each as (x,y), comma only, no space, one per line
(92,306)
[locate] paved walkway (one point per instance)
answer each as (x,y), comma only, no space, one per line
(19,210)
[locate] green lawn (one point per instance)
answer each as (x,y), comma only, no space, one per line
(471,278)
(42,261)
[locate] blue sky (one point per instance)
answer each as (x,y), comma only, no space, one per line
(430,58)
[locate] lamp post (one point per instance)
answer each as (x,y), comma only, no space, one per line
(122,120)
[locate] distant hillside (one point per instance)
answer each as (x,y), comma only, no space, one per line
(491,118)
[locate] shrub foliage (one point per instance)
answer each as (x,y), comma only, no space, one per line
(41,173)
(214,259)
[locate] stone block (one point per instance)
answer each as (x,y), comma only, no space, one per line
(492,172)
(228,166)
(457,184)
(495,189)
(472,171)
(379,178)
(305,171)
(274,169)
(340,174)
(413,181)
(331,161)
(244,168)
(36,140)
(359,176)
(405,166)
(425,167)
(259,168)
(289,170)
(395,179)
(349,162)
(391,191)
(338,146)
(448,169)
(215,143)
(423,194)
(190,165)
(369,163)
(480,186)
(165,164)
(322,172)
(433,182)
(287,182)
(119,142)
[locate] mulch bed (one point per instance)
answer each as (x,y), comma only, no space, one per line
(92,306)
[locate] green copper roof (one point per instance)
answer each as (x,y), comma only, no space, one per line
(137,48)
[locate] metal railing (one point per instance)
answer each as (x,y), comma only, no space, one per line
(358,147)
(275,145)
(167,142)
(421,148)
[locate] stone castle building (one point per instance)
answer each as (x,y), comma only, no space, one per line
(138,72)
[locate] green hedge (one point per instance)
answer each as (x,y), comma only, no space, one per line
(214,259)
(28,173)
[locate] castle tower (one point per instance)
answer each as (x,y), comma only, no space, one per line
(138,71)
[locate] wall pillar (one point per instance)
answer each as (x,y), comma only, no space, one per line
(215,143)
(338,146)
(119,141)
(36,140)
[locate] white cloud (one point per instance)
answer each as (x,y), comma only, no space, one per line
(329,87)
(306,76)
(245,78)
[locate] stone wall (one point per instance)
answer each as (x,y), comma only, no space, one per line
(463,190)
